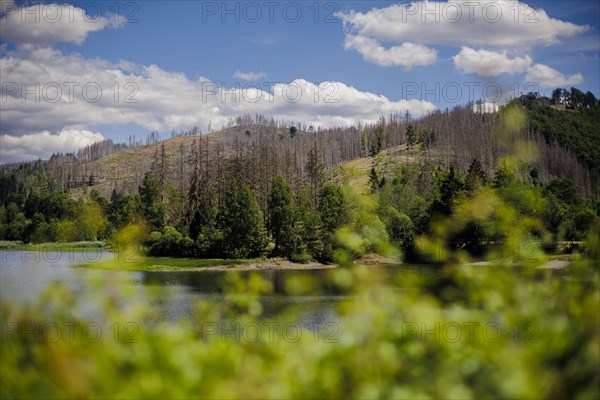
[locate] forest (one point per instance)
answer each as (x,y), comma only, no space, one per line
(262,189)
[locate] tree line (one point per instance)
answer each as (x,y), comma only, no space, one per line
(321,221)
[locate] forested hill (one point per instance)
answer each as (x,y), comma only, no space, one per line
(573,121)
(256,149)
(299,189)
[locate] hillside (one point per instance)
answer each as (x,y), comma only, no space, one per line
(356,172)
(578,130)
(567,143)
(216,195)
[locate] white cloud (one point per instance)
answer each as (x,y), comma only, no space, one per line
(249,76)
(460,23)
(45,24)
(412,29)
(547,77)
(489,63)
(155,99)
(406,54)
(42,144)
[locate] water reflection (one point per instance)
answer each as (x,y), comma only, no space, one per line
(173,294)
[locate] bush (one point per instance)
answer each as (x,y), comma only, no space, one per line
(170,243)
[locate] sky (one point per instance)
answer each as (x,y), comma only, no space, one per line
(73,73)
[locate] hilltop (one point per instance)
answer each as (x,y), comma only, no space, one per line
(567,143)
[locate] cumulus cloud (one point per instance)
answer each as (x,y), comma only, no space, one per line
(45,24)
(489,63)
(459,23)
(412,29)
(249,76)
(406,54)
(406,35)
(547,77)
(43,144)
(77,93)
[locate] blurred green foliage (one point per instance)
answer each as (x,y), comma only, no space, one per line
(473,332)
(505,329)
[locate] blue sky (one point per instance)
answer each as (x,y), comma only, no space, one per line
(373,54)
(186,36)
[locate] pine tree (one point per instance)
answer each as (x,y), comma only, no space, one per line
(411,135)
(475,176)
(451,188)
(374,181)
(427,137)
(309,226)
(152,207)
(399,227)
(333,214)
(241,222)
(161,166)
(281,216)
(503,176)
(556,96)
(380,137)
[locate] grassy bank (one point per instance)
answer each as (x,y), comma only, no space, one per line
(57,246)
(143,263)
(130,261)
(134,262)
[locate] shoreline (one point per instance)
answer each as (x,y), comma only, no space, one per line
(169,264)
(55,246)
(135,262)
(138,263)
(267,265)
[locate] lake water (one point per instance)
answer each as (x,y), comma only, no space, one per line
(172,295)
